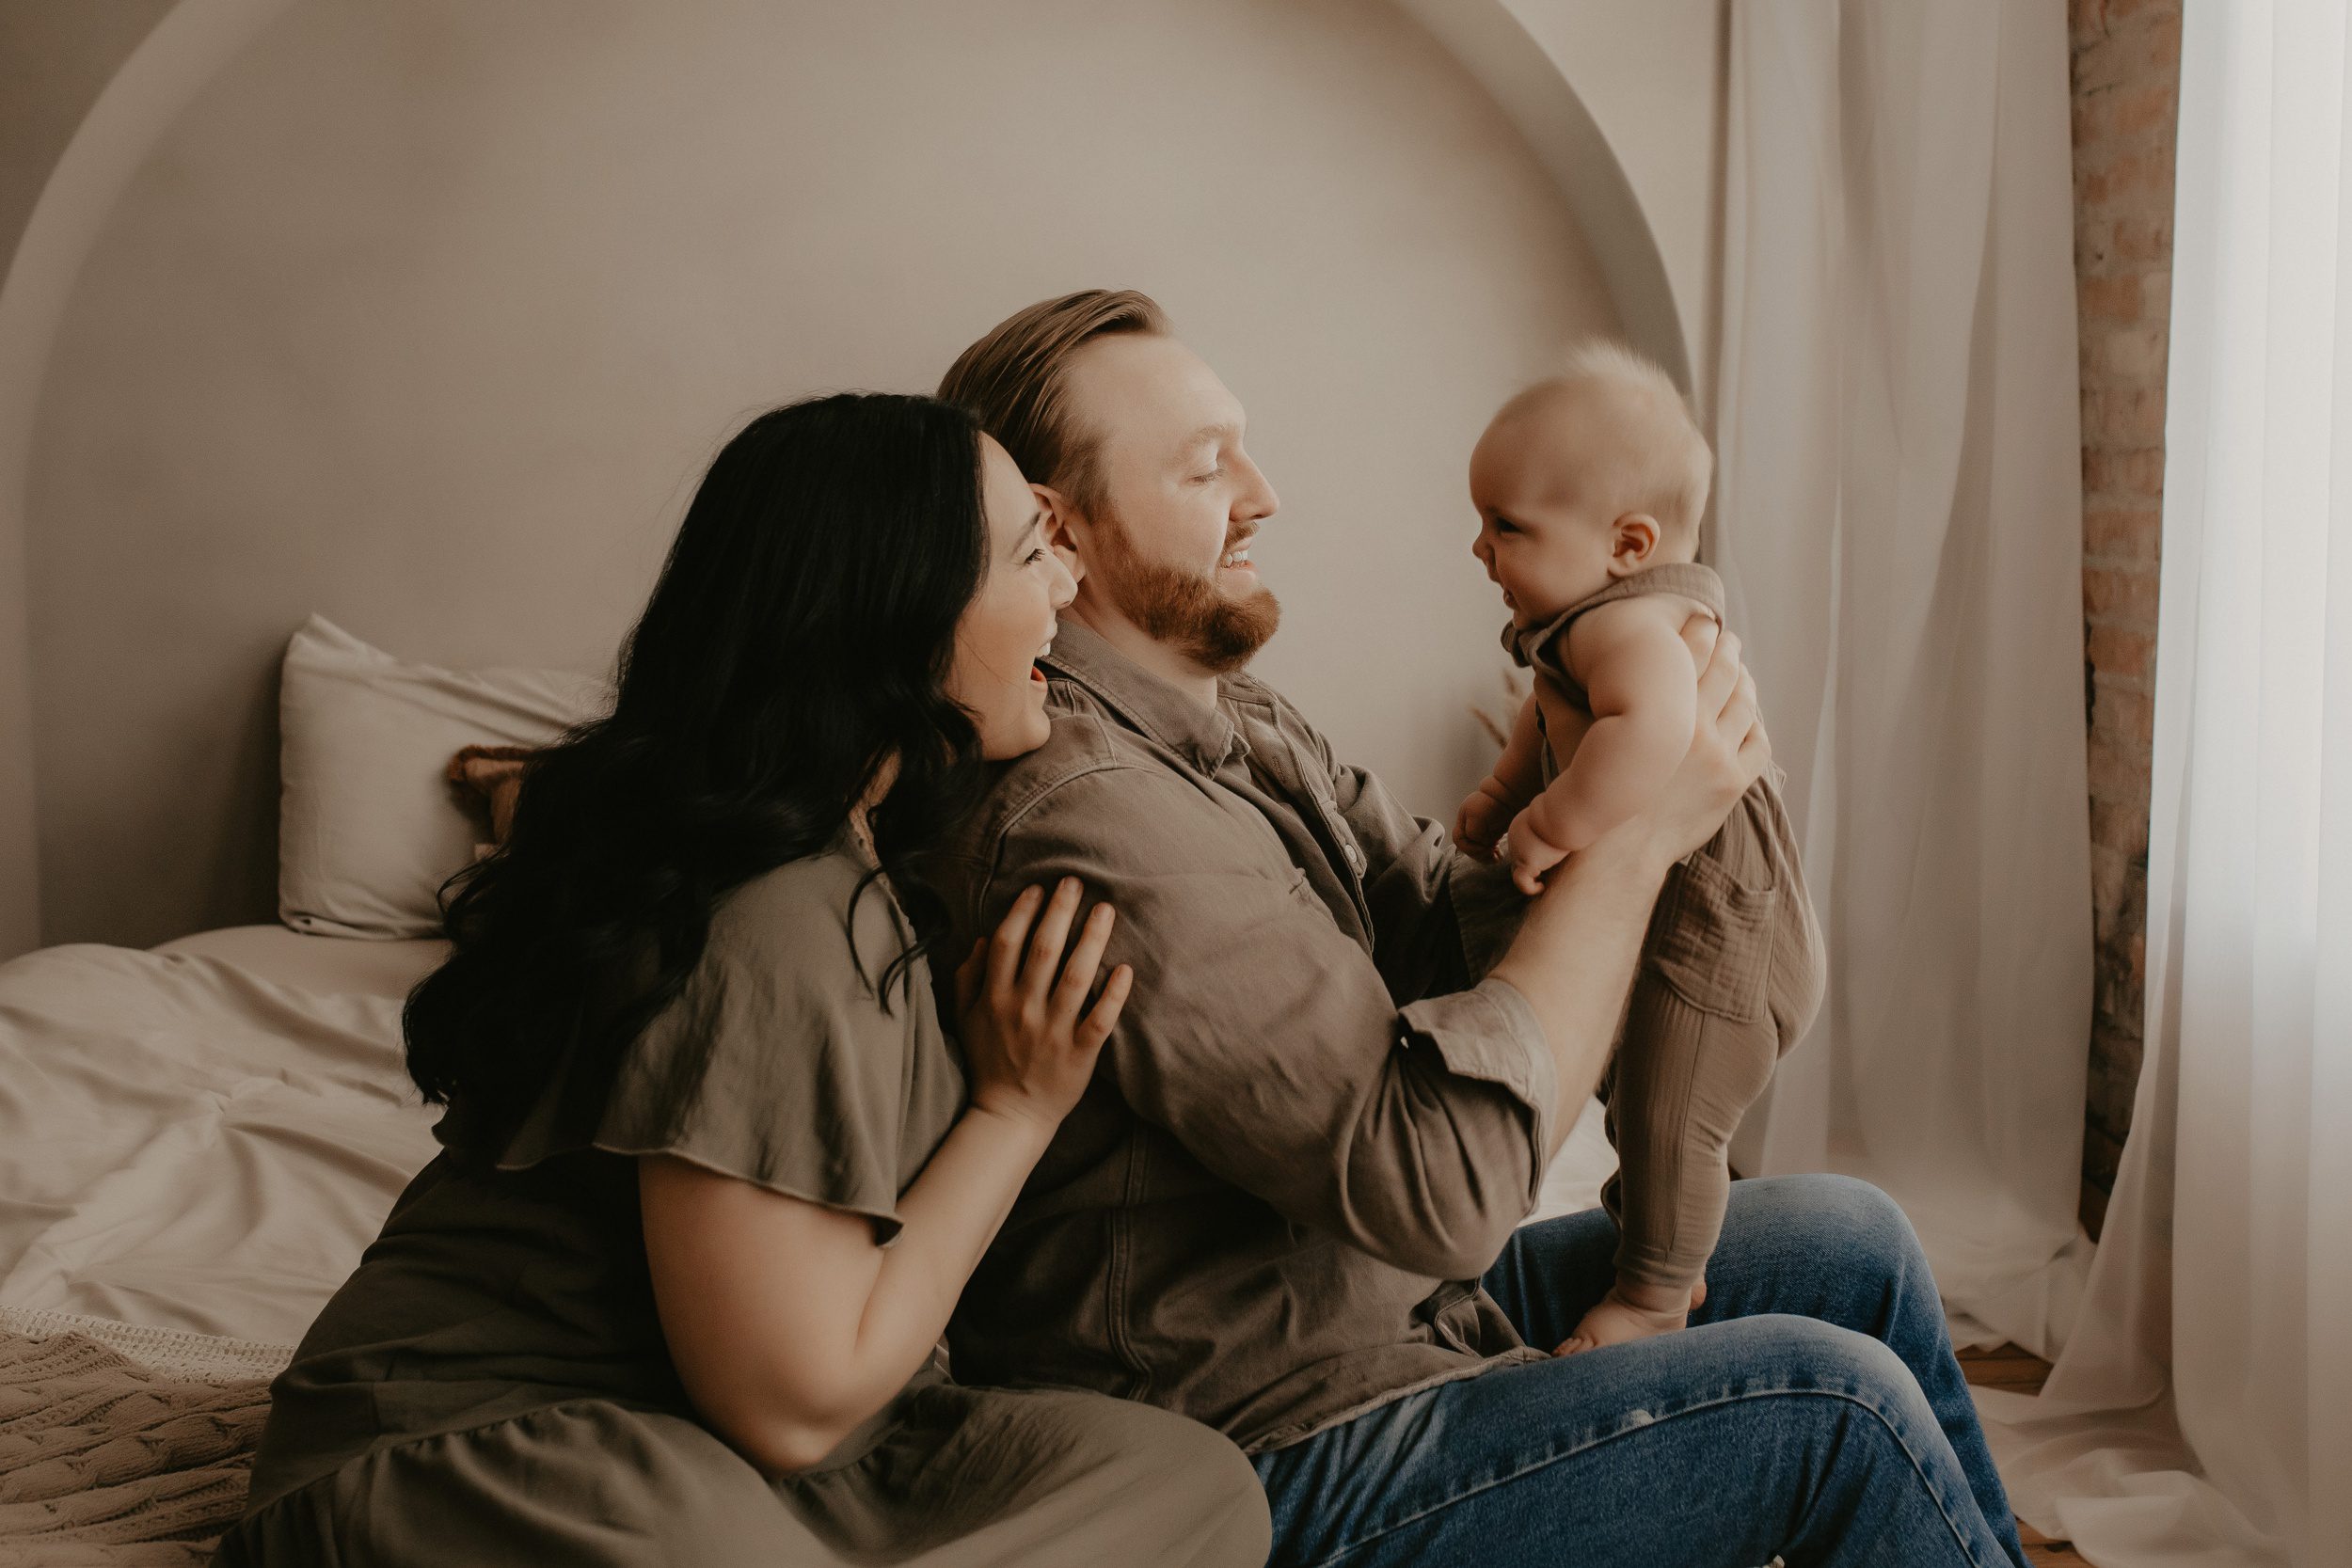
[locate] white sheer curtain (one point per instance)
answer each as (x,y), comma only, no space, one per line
(2202,1412)
(1901,528)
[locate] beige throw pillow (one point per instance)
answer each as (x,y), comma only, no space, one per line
(370,825)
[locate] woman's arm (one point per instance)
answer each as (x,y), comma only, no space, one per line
(787,1322)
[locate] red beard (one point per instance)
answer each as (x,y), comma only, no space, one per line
(1184,611)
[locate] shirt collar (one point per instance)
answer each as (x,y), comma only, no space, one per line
(1205,737)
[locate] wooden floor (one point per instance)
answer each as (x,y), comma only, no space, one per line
(2012,1368)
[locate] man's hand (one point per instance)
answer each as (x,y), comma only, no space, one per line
(1729,752)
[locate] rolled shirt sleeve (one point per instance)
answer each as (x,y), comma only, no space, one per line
(1268,1043)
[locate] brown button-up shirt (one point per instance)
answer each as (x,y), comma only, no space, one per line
(1312,1130)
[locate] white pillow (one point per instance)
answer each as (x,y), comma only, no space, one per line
(368,826)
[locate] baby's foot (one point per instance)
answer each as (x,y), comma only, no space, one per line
(1626,1314)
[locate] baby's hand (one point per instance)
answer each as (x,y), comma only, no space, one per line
(1532,855)
(1480,823)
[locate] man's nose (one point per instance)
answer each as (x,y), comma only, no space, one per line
(1257,501)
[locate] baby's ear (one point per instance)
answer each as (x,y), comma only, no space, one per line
(1635,541)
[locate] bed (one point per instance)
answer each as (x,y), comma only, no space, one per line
(200,1137)
(197,1140)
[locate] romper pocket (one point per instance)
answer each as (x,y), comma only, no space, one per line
(1710,939)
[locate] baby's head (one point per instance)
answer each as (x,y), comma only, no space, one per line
(1587,476)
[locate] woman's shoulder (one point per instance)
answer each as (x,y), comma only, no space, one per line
(818,912)
(785,1060)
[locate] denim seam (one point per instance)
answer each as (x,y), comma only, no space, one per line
(1959,1537)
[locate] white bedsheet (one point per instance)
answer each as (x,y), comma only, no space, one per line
(186,1144)
(337,965)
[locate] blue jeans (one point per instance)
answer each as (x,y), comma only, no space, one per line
(1812,1412)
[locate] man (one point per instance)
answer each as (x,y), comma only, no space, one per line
(1288,1204)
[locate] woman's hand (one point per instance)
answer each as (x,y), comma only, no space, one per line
(1028,1043)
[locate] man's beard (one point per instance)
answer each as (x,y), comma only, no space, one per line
(1184,611)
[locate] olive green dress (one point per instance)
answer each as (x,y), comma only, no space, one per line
(492,1387)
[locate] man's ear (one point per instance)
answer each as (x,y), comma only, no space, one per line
(1062,536)
(1632,541)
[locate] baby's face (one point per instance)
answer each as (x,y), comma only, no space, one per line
(1543,547)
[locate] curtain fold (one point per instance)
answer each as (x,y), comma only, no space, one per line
(2202,1412)
(1899,526)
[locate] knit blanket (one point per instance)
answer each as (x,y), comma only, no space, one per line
(120,1446)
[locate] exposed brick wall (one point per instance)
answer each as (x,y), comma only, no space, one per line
(2126,88)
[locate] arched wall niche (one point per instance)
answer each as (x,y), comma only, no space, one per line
(320,310)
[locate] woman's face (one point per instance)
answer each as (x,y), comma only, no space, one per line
(1009,622)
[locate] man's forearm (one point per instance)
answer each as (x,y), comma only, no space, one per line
(1574,957)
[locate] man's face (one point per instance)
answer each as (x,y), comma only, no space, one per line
(1178,499)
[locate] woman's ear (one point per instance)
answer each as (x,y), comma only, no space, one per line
(1632,541)
(1062,536)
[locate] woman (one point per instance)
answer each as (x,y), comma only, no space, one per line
(710,1182)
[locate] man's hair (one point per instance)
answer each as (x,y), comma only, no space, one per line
(1012,380)
(1665,466)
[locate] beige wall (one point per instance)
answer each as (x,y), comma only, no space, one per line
(1650,72)
(54,59)
(425,317)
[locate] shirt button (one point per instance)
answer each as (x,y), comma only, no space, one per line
(1354,859)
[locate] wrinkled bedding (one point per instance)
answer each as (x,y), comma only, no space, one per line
(334,966)
(185,1144)
(193,1153)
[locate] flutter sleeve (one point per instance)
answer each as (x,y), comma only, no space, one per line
(781,1062)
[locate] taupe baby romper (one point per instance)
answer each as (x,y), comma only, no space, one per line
(1732,972)
(492,1387)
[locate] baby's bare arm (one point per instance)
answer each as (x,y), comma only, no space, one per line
(1519,773)
(1642,684)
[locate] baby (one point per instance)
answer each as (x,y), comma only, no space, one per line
(1589,488)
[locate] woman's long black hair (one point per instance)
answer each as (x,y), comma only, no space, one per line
(797,641)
